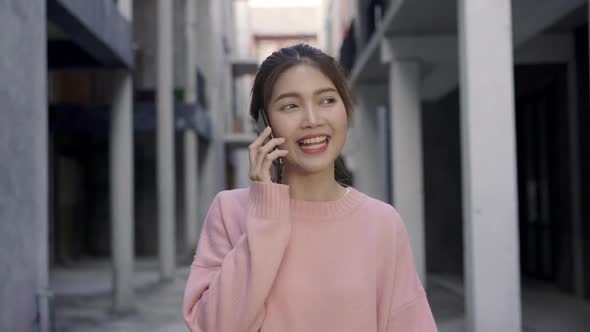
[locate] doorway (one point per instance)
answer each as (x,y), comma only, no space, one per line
(543,174)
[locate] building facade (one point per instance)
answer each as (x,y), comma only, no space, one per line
(113,140)
(478,111)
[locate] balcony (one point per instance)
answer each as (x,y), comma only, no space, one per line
(86,34)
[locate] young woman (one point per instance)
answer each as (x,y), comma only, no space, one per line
(309,254)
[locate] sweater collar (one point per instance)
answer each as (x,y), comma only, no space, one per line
(340,207)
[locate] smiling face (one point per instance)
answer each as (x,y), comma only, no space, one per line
(306,109)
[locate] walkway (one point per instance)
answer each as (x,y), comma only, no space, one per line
(83,302)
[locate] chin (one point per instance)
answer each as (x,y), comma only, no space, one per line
(313,169)
(311,166)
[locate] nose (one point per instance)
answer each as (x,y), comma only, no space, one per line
(311,118)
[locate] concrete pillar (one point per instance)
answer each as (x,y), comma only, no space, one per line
(23,166)
(406,151)
(367,163)
(165,138)
(214,62)
(243,29)
(491,259)
(242,162)
(190,137)
(121,186)
(126,8)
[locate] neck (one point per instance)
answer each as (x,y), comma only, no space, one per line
(316,187)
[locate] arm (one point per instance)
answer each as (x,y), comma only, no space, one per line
(410,310)
(227,286)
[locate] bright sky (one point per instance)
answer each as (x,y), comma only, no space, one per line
(283,3)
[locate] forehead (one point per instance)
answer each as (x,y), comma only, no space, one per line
(302,79)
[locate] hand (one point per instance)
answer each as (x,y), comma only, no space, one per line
(262,156)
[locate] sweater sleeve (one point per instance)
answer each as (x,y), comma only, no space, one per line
(410,311)
(228,284)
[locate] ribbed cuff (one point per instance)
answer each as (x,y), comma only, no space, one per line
(269,200)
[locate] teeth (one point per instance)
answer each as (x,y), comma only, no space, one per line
(314,140)
(313,147)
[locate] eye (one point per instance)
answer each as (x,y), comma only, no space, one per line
(328,100)
(288,107)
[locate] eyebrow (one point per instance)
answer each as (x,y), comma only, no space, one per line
(295,94)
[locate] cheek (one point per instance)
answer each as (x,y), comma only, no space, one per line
(340,120)
(281,127)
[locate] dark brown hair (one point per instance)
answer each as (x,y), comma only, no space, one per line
(279,61)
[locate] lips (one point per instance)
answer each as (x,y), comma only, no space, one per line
(313,144)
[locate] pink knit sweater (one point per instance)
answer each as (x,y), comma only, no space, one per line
(269,263)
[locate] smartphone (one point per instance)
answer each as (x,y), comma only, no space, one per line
(263,122)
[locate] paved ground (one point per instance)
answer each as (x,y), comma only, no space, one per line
(544,307)
(83,303)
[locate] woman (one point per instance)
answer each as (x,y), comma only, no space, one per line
(309,254)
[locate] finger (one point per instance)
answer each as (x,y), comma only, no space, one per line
(268,160)
(262,171)
(267,148)
(253,148)
(260,139)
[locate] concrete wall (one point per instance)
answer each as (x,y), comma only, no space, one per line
(23,161)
